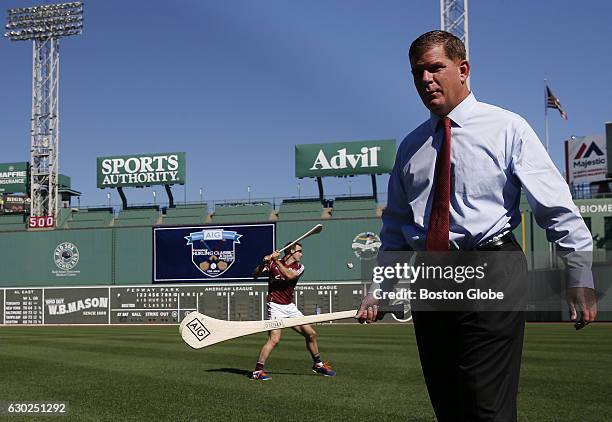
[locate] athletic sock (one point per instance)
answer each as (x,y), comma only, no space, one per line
(259,366)
(317,359)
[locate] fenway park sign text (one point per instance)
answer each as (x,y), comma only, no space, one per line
(141,170)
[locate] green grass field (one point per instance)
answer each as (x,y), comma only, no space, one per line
(148,373)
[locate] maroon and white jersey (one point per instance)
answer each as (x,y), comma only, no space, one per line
(280,290)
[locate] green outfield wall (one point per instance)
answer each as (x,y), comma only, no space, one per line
(123,256)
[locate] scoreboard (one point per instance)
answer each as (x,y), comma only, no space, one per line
(23,306)
(164,304)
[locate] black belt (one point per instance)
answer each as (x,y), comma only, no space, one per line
(495,245)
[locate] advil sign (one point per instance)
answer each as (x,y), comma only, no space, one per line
(344,158)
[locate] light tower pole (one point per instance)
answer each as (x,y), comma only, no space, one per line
(44,25)
(454,19)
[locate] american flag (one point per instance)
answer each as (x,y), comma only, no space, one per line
(553,102)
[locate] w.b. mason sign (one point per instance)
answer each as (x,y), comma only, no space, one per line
(344,158)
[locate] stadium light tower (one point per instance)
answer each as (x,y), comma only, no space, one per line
(454,19)
(45,25)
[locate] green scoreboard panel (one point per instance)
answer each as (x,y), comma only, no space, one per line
(164,304)
(144,305)
(326,297)
(161,304)
(23,306)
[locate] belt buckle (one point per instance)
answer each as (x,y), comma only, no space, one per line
(492,242)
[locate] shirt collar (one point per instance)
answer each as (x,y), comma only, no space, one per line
(458,115)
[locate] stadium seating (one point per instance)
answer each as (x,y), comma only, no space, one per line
(301,209)
(242,212)
(356,206)
(88,218)
(186,214)
(11,222)
(145,216)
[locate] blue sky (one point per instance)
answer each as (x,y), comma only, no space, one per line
(236,84)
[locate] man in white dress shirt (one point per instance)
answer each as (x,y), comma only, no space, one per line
(456,185)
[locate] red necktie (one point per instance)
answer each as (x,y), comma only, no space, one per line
(438,230)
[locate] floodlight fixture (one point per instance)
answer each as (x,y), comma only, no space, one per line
(43,22)
(45,25)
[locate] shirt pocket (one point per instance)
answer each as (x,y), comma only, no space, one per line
(477,182)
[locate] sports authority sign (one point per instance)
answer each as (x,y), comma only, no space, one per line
(344,158)
(585,159)
(14,177)
(141,170)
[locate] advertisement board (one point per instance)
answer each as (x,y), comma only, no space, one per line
(14,177)
(586,159)
(344,158)
(141,170)
(210,253)
(14,204)
(76,306)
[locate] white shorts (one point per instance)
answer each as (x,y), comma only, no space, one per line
(278,311)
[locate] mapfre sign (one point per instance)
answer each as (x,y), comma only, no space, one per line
(344,158)
(586,159)
(141,170)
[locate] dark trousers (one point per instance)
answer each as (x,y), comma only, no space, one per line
(471,359)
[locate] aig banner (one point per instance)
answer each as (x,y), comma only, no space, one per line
(141,170)
(586,159)
(344,158)
(14,177)
(210,253)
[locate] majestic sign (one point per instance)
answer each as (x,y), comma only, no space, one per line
(344,158)
(14,177)
(586,159)
(141,170)
(210,253)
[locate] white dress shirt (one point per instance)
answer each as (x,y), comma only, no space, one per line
(493,153)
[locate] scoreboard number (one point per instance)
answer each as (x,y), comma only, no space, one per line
(44,222)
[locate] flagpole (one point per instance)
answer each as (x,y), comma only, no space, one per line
(546,112)
(550,245)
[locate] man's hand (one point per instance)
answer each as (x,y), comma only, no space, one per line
(582,299)
(272,257)
(368,310)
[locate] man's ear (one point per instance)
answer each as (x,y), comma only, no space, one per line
(464,70)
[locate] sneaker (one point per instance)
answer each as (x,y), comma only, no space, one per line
(324,369)
(260,376)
